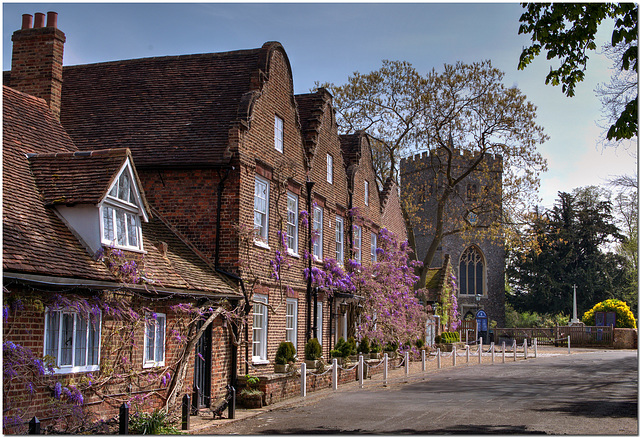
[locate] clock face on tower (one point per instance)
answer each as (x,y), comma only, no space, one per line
(472,218)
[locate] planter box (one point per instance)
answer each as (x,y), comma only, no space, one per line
(252,401)
(280,368)
(311,364)
(374,356)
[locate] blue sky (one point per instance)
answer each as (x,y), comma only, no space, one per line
(329,41)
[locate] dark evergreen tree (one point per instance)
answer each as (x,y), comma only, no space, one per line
(572,245)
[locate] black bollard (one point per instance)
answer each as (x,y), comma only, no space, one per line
(232,403)
(34,426)
(124,418)
(186,412)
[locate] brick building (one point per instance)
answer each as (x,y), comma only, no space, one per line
(477,254)
(242,170)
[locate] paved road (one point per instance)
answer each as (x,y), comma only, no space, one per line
(584,394)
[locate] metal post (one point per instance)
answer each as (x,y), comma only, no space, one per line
(186,412)
(34,426)
(535,348)
(480,352)
(525,348)
(303,379)
(385,369)
(232,403)
(438,357)
(424,360)
(334,374)
(361,370)
(124,419)
(453,354)
(569,343)
(467,351)
(514,349)
(406,364)
(493,353)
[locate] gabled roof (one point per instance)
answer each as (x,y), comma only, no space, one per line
(70,178)
(174,110)
(36,243)
(311,108)
(351,147)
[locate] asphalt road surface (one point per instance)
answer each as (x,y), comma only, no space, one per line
(579,394)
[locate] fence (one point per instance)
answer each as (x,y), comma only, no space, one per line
(556,336)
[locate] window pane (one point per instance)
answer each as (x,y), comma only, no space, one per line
(259,331)
(260,207)
(278,134)
(124,186)
(53,331)
(291,321)
(319,322)
(330,169)
(479,278)
(107,222)
(317,227)
(292,222)
(66,348)
(93,348)
(159,339)
(374,246)
(121,230)
(132,229)
(151,339)
(366,192)
(81,342)
(339,240)
(357,243)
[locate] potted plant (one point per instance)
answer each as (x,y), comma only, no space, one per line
(338,352)
(353,349)
(390,349)
(363,348)
(312,353)
(374,353)
(285,355)
(251,396)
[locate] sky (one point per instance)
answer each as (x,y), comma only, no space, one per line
(327,42)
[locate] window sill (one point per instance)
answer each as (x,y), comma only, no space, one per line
(259,361)
(293,254)
(261,244)
(110,245)
(78,369)
(148,365)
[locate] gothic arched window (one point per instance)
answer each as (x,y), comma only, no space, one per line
(472,268)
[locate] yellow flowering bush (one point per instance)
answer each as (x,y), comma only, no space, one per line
(624,316)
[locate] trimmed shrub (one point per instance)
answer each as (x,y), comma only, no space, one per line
(286,353)
(375,347)
(312,350)
(363,347)
(624,316)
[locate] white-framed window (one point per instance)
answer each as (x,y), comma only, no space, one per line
(261,210)
(72,340)
(357,243)
(366,193)
(317,229)
(259,329)
(155,326)
(374,246)
(292,223)
(120,213)
(329,168)
(319,321)
(278,134)
(291,326)
(340,239)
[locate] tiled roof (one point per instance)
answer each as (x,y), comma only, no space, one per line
(76,177)
(351,147)
(174,110)
(310,110)
(36,241)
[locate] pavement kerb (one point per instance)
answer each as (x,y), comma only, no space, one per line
(199,424)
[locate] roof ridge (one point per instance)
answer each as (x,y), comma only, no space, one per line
(122,151)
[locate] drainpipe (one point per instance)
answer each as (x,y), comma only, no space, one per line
(310,248)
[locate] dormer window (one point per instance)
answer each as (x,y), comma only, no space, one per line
(120,213)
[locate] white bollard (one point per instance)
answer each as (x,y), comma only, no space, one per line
(361,370)
(525,348)
(424,360)
(503,351)
(438,358)
(493,353)
(385,369)
(406,364)
(514,349)
(453,354)
(480,352)
(334,375)
(535,348)
(569,343)
(303,379)
(467,348)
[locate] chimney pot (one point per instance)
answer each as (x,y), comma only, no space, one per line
(26,21)
(52,19)
(39,22)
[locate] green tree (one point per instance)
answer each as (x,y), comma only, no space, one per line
(566,31)
(572,243)
(464,108)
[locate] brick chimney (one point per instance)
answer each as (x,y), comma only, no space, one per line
(36,63)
